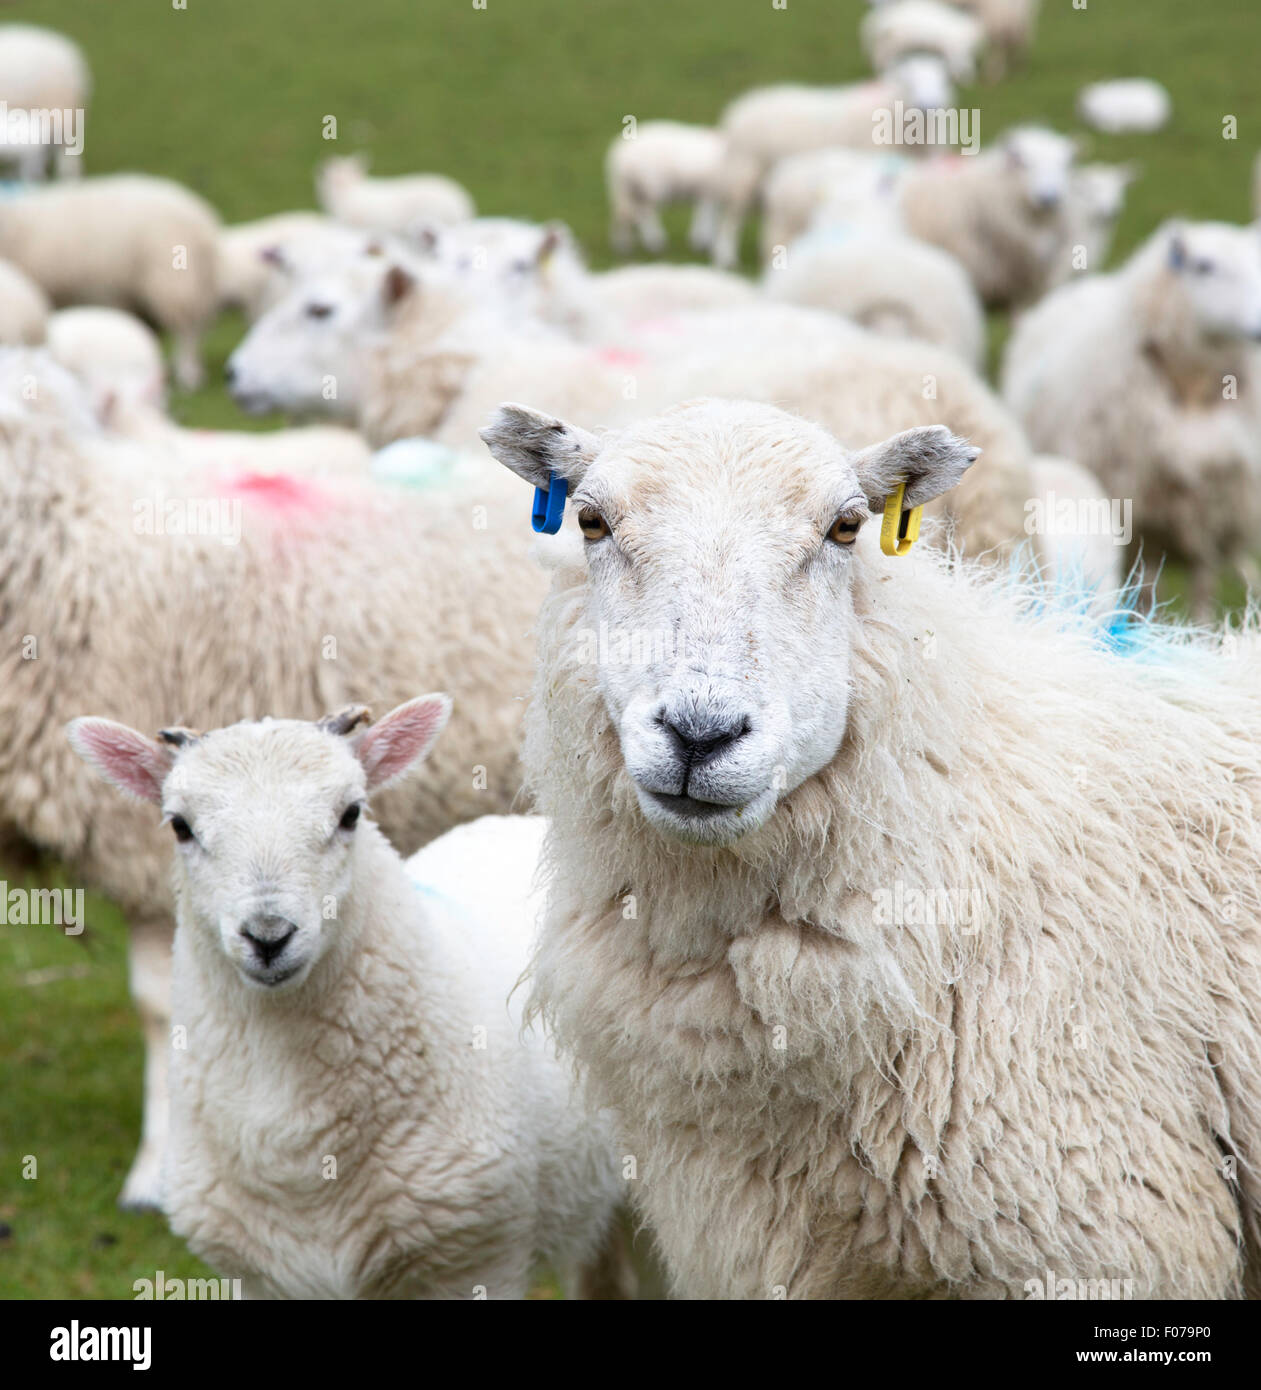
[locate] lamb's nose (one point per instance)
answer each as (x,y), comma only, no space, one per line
(268,936)
(700,737)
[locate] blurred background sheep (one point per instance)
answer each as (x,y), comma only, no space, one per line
(518,215)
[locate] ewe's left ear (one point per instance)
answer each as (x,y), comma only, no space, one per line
(403,738)
(133,763)
(930,459)
(534,445)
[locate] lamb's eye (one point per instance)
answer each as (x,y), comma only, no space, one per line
(350,817)
(318,311)
(592,525)
(844,530)
(183,831)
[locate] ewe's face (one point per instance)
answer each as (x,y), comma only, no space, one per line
(1042,162)
(265,818)
(1219,268)
(725,588)
(303,355)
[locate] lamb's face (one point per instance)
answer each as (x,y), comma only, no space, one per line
(265,818)
(1041,162)
(721,542)
(925,79)
(303,356)
(501,261)
(1219,269)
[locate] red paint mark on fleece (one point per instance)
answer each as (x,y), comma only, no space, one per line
(281,493)
(619,357)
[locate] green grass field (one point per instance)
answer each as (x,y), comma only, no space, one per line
(519,101)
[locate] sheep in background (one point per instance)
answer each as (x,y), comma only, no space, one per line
(1128,104)
(1096,199)
(1148,377)
(256,258)
(417,1143)
(41,70)
(912,28)
(344,190)
(656,164)
(24,308)
(1001,213)
(1009,32)
(799,187)
(235,594)
(945,963)
(127,241)
(769,123)
(117,358)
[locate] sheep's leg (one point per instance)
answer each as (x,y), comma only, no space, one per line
(704,224)
(187,358)
(726,248)
(1203,590)
(651,231)
(610,1273)
(1250,573)
(150,970)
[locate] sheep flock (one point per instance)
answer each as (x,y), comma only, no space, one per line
(679,779)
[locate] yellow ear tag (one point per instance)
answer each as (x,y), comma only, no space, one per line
(900,529)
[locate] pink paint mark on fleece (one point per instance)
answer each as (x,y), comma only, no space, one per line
(619,357)
(279,493)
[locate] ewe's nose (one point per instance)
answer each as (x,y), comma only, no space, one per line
(700,736)
(268,936)
(1046,199)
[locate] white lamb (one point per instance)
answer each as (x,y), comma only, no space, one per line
(356,1113)
(346,193)
(24,308)
(911,28)
(1148,377)
(1096,199)
(856,182)
(253,256)
(116,357)
(1002,212)
(43,72)
(652,165)
(912,933)
(124,240)
(1128,104)
(769,123)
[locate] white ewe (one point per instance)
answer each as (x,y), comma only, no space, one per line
(911,28)
(236,594)
(346,193)
(1002,212)
(124,240)
(914,939)
(1148,377)
(24,308)
(1128,104)
(355,1112)
(651,165)
(44,73)
(769,123)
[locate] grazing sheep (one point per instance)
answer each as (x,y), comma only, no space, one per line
(254,256)
(356,1113)
(1129,104)
(769,123)
(911,28)
(346,193)
(659,163)
(116,357)
(853,184)
(235,594)
(24,308)
(914,938)
(124,240)
(1002,213)
(1148,377)
(43,72)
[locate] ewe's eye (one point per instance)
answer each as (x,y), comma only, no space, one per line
(592,525)
(318,311)
(844,530)
(183,831)
(350,817)
(1204,267)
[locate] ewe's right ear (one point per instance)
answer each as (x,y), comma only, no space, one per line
(133,763)
(401,739)
(930,459)
(534,445)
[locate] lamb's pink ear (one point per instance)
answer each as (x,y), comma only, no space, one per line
(403,738)
(534,445)
(930,459)
(133,763)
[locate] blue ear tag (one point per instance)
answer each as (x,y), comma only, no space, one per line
(549,505)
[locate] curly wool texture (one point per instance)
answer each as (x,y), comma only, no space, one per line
(831,1105)
(349,1139)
